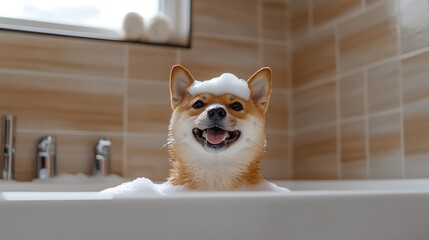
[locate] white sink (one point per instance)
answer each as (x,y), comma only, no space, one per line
(362,212)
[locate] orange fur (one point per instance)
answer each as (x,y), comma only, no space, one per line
(184,172)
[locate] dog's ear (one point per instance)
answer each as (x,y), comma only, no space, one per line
(180,80)
(260,88)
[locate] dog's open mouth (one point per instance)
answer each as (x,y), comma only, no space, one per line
(215,137)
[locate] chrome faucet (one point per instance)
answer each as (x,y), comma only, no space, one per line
(46,166)
(7,146)
(102,157)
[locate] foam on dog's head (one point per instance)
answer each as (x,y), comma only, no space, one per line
(225,83)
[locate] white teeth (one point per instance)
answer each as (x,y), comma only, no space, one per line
(204,134)
(226,135)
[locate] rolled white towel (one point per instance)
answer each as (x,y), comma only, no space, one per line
(159,28)
(133,27)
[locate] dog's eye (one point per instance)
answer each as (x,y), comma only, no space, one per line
(236,106)
(198,104)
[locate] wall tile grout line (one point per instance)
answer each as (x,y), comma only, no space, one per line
(290,117)
(367,131)
(125,116)
(338,107)
(401,107)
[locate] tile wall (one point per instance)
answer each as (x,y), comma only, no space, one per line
(350,98)
(360,89)
(81,90)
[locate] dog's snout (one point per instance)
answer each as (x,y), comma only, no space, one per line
(216,113)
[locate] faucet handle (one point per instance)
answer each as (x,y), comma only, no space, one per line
(46,158)
(102,157)
(7,146)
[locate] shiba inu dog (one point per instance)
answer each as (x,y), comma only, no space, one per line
(216,133)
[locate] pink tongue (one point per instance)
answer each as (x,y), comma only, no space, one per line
(215,135)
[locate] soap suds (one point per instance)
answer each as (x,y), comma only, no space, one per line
(225,83)
(144,186)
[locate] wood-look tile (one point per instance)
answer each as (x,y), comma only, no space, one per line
(325,11)
(276,162)
(210,57)
(353,150)
(147,157)
(415,91)
(72,103)
(74,154)
(299,17)
(314,60)
(274,20)
(277,58)
(414,24)
(153,63)
(237,18)
(61,55)
(314,106)
(277,113)
(315,154)
(352,95)
(383,87)
(385,155)
(369,37)
(149,107)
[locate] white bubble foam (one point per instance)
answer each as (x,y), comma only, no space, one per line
(225,83)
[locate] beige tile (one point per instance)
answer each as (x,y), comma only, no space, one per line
(61,55)
(414,24)
(277,58)
(277,113)
(72,103)
(385,146)
(299,17)
(314,60)
(416,118)
(414,78)
(325,11)
(383,87)
(314,106)
(153,63)
(149,107)
(352,95)
(315,154)
(353,150)
(237,18)
(274,20)
(369,37)
(276,162)
(210,57)
(75,154)
(370,2)
(147,157)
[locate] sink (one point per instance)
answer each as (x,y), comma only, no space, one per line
(325,210)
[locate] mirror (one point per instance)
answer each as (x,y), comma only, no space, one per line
(158,22)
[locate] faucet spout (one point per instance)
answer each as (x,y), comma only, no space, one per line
(102,157)
(7,146)
(46,158)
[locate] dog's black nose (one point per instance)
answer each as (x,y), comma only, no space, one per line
(216,113)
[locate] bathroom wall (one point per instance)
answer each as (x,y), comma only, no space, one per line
(80,90)
(360,88)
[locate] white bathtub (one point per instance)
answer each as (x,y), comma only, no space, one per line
(346,210)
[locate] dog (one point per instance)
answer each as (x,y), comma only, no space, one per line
(216,136)
(217,131)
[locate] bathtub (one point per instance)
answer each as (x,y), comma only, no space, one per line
(320,210)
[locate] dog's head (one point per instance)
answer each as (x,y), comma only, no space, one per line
(221,118)
(218,112)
